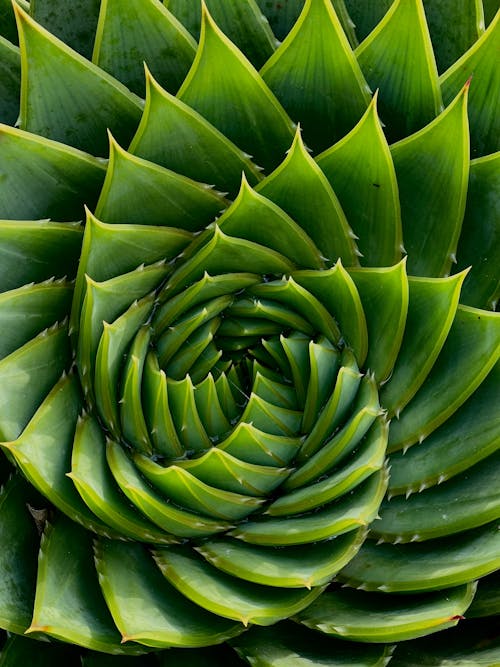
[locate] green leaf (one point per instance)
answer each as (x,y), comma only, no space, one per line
(480,63)
(366,16)
(19,537)
(43,451)
(165,617)
(467,501)
(20,650)
(454,27)
(180,486)
(296,646)
(264,434)
(281,16)
(89,100)
(39,177)
(37,251)
(397,58)
(335,289)
(95,484)
(429,163)
(242,22)
(225,471)
(349,513)
(226,254)
(468,436)
(115,339)
(291,566)
(27,375)
(431,310)
(487,599)
(425,566)
(8,21)
(479,243)
(375,617)
(164,514)
(10,81)
(359,168)
(69,604)
(142,32)
(369,458)
(195,148)
(316,55)
(384,297)
(226,595)
(300,188)
(139,192)
(73,22)
(244,108)
(189,427)
(469,353)
(27,311)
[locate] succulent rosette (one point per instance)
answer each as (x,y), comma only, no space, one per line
(249,367)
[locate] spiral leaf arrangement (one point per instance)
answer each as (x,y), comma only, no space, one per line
(249,353)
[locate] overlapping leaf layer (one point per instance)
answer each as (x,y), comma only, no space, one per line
(248,378)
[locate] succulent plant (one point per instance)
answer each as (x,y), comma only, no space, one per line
(249,363)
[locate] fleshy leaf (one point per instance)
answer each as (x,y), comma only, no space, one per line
(243,107)
(165,618)
(360,168)
(469,353)
(226,595)
(300,188)
(74,612)
(42,178)
(140,32)
(375,617)
(10,81)
(397,58)
(89,100)
(314,56)
(480,63)
(195,148)
(242,22)
(428,164)
(479,243)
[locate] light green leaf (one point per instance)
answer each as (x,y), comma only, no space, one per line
(243,108)
(27,311)
(226,595)
(359,168)
(431,310)
(300,188)
(28,374)
(39,177)
(375,617)
(89,100)
(480,63)
(314,56)
(468,436)
(467,501)
(349,513)
(188,425)
(165,618)
(428,164)
(270,445)
(469,353)
(195,148)
(142,32)
(397,58)
(384,296)
(95,484)
(425,566)
(291,566)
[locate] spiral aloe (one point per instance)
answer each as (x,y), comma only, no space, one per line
(249,364)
